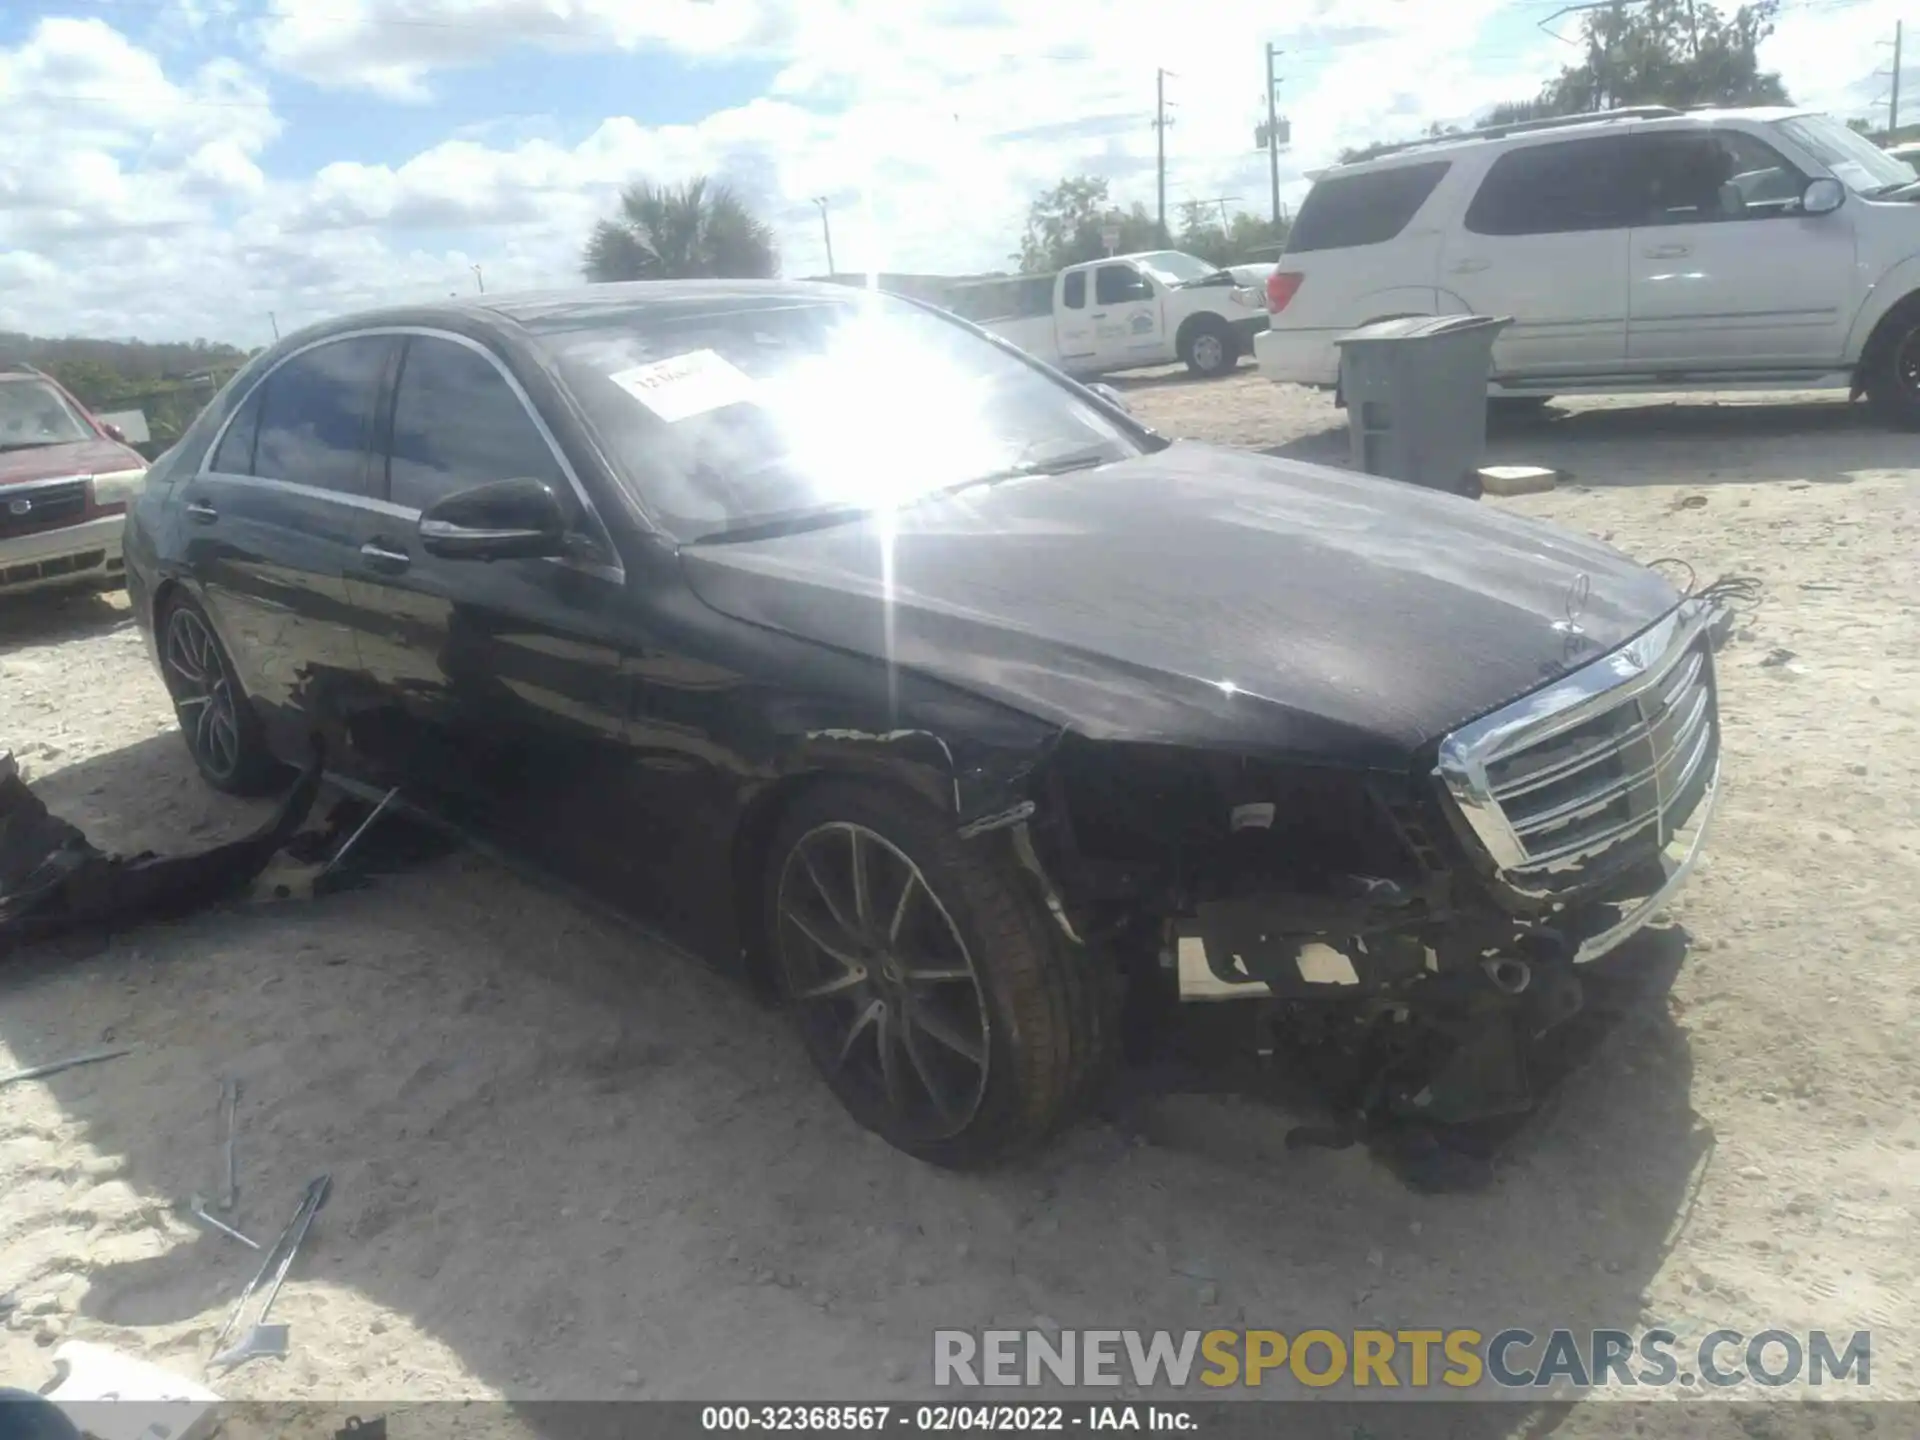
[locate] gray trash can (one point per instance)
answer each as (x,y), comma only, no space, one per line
(1416,393)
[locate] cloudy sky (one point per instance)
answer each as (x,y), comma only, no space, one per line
(182,168)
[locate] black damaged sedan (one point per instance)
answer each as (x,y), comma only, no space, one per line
(843,644)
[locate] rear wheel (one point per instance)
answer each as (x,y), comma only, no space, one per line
(222,732)
(1893,378)
(928,983)
(1210,347)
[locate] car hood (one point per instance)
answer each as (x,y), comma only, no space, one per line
(1206,596)
(79,457)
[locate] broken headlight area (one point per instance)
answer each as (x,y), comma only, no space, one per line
(1336,906)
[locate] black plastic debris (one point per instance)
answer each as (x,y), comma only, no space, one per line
(54,881)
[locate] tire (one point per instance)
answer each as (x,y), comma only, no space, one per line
(994,1032)
(222,733)
(1893,375)
(1210,347)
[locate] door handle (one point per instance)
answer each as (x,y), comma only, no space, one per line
(1667,252)
(1470,267)
(202,512)
(379,557)
(1099,315)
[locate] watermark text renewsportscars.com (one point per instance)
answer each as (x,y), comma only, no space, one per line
(1411,1359)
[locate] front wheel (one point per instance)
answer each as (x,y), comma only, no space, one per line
(223,734)
(931,988)
(1893,382)
(1210,348)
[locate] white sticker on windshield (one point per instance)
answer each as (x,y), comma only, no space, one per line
(686,385)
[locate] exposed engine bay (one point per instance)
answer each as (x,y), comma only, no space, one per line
(1359,917)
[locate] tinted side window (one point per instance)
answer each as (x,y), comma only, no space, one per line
(1116,284)
(235,455)
(316,414)
(1073,291)
(1554,189)
(1364,209)
(457,423)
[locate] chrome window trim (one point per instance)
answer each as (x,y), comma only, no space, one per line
(317,492)
(610,568)
(1595,688)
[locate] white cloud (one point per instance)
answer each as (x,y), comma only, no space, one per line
(391,46)
(1838,57)
(133,198)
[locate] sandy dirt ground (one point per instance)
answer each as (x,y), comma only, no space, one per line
(565,1166)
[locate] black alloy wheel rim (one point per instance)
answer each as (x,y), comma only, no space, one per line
(887,993)
(203,693)
(1906,362)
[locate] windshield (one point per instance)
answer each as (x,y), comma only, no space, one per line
(33,413)
(1856,161)
(1175,267)
(737,411)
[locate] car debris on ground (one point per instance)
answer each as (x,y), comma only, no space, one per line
(53,881)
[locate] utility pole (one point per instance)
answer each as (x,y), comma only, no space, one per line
(274,323)
(1893,99)
(826,233)
(1273,138)
(1160,123)
(479,279)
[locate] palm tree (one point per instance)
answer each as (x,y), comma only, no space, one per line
(677,232)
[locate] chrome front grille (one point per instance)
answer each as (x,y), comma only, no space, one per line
(1600,770)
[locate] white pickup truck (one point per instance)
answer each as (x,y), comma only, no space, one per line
(1122,313)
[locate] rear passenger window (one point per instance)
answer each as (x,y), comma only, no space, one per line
(1554,189)
(458,423)
(1365,209)
(1073,291)
(316,412)
(235,455)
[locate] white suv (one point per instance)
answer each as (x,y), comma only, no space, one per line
(1642,249)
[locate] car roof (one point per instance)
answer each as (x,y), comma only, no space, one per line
(1565,128)
(538,310)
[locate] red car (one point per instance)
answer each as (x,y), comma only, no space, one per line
(65,480)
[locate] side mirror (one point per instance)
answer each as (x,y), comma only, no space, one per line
(505,520)
(1822,197)
(1112,396)
(113,432)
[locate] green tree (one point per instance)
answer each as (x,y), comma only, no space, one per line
(675,232)
(94,383)
(1651,52)
(1355,153)
(1668,52)
(1065,224)
(1202,234)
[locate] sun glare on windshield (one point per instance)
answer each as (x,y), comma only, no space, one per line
(854,413)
